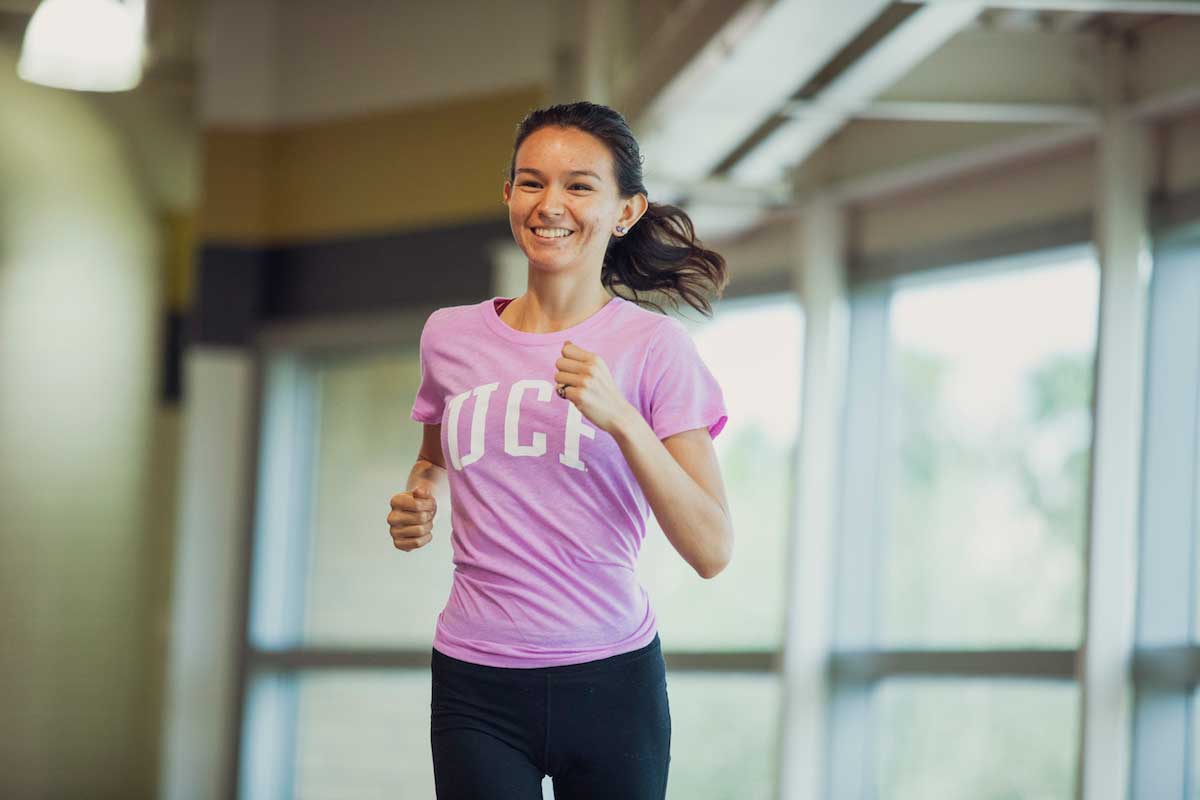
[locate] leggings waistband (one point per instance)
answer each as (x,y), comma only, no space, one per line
(564,669)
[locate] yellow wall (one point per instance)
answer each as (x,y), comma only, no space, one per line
(407,169)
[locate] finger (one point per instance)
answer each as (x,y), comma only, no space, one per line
(398,518)
(412,544)
(404,517)
(426,502)
(404,532)
(405,501)
(576,352)
(569,365)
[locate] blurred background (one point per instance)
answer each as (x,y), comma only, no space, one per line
(960,350)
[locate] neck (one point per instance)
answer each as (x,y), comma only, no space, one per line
(533,312)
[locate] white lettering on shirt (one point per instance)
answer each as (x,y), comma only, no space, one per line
(575,429)
(512,418)
(482,394)
(576,425)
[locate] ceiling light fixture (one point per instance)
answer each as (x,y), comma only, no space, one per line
(86,45)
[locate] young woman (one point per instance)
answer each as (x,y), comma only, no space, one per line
(559,419)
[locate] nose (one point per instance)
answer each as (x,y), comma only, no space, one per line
(551,205)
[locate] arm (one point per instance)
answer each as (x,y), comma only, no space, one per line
(681,479)
(430,468)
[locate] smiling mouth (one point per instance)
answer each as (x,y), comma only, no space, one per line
(552,234)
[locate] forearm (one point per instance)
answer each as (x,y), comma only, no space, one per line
(432,476)
(692,519)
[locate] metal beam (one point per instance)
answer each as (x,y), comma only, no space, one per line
(864,80)
(1168,104)
(730,88)
(933,111)
(1101,6)
(730,193)
(692,38)
(910,176)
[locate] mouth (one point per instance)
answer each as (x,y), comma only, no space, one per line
(552,234)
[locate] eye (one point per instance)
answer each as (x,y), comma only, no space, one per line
(581,186)
(527,183)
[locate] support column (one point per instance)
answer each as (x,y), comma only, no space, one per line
(202,703)
(584,48)
(820,282)
(595,50)
(202,667)
(565,66)
(1111,551)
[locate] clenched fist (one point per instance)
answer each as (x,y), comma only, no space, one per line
(411,519)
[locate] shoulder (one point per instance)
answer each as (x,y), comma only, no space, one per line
(443,327)
(450,315)
(671,336)
(648,324)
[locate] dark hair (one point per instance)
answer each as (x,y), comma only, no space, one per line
(661,251)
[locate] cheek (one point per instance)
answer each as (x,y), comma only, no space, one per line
(597,225)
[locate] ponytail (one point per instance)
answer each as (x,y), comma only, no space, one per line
(661,253)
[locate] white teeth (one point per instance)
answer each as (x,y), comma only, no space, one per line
(552,233)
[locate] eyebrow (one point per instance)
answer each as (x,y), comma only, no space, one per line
(572,172)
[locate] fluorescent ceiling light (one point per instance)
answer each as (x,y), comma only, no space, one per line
(87,45)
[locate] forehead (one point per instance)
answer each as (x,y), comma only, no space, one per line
(554,148)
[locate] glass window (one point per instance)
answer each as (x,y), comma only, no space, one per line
(983,739)
(363,734)
(989,456)
(754,349)
(724,729)
(366,733)
(361,589)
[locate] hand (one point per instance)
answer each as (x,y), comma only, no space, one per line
(411,519)
(590,386)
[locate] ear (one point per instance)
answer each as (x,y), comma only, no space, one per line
(507,191)
(632,209)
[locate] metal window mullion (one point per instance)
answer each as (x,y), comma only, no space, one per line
(1166,607)
(279,568)
(862,526)
(1122,237)
(282,518)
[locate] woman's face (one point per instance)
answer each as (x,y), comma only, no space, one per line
(564,205)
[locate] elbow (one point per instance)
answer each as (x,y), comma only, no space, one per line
(712,570)
(715,567)
(710,560)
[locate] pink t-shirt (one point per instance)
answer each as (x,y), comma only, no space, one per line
(547,518)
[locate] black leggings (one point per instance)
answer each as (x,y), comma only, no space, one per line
(600,729)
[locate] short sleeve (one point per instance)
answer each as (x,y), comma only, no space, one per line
(679,390)
(427,406)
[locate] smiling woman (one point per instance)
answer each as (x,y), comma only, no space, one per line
(565,416)
(575,188)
